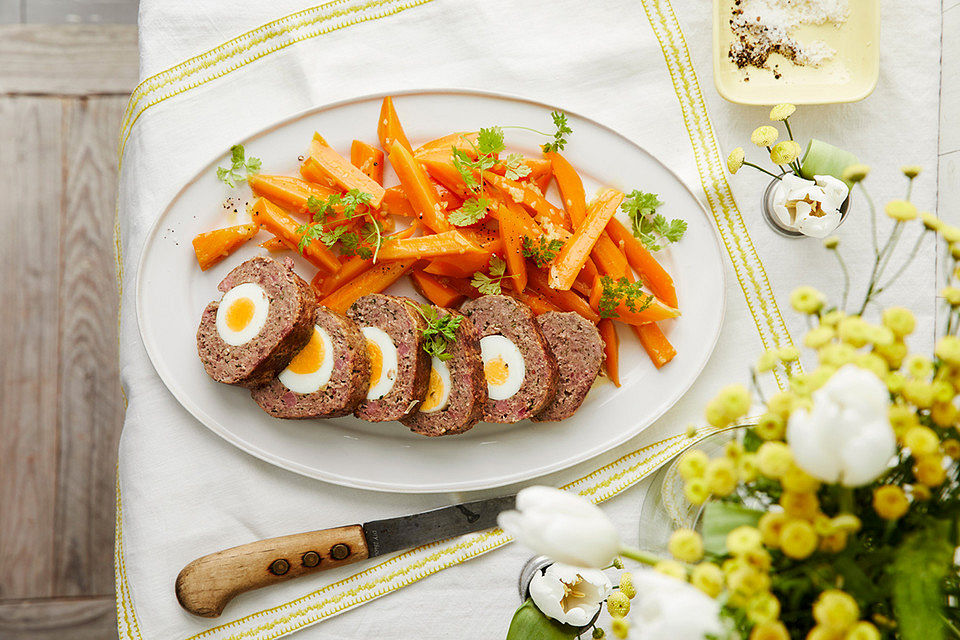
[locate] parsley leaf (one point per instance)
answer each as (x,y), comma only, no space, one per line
(490,141)
(543,252)
(622,291)
(651,228)
(440,331)
(470,213)
(240,167)
(490,284)
(560,136)
(514,167)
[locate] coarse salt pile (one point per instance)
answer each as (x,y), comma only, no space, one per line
(763,27)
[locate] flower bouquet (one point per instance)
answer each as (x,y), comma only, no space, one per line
(835,515)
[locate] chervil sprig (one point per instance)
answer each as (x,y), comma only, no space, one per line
(240,167)
(560,135)
(543,251)
(440,331)
(365,244)
(470,212)
(651,228)
(490,284)
(622,291)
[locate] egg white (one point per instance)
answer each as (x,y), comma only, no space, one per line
(388,373)
(312,382)
(261,306)
(444,372)
(495,346)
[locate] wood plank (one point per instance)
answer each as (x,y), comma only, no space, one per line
(79,11)
(90,403)
(29,258)
(73,619)
(68,60)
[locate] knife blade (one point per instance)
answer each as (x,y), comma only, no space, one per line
(206,585)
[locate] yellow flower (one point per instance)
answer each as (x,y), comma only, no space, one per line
(770,631)
(774,458)
(735,160)
(899,320)
(743,539)
(785,152)
(919,393)
(952,296)
(626,585)
(818,337)
(872,362)
(863,630)
(747,468)
(919,366)
(890,502)
(955,250)
(901,210)
(745,581)
(931,221)
(763,608)
(733,450)
(721,476)
(836,610)
(895,382)
(837,354)
(686,545)
(846,522)
(950,233)
(798,539)
(902,418)
(788,354)
(799,481)
(948,350)
(618,604)
(696,490)
(879,336)
(831,242)
(951,447)
(893,353)
(820,632)
(764,136)
(832,318)
(942,391)
(707,577)
(770,525)
(767,361)
(920,492)
(781,403)
(911,170)
(943,414)
(671,568)
(620,628)
(834,542)
(922,441)
(806,299)
(854,331)
(758,558)
(693,464)
(855,173)
(800,505)
(929,471)
(802,384)
(598,633)
(770,426)
(782,111)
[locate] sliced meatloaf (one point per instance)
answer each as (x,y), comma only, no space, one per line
(330,381)
(288,325)
(578,351)
(399,319)
(504,316)
(466,387)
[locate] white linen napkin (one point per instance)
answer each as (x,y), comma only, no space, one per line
(183,492)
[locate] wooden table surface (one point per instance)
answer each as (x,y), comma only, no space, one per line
(62,93)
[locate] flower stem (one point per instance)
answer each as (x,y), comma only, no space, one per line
(873,220)
(846,280)
(786,123)
(880,263)
(903,267)
(909,188)
(643,557)
(846,500)
(759,168)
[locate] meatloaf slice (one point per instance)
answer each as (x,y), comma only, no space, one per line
(576,346)
(468,387)
(400,320)
(348,380)
(502,315)
(287,329)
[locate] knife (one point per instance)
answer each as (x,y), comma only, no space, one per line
(206,585)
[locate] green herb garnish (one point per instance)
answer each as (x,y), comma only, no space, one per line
(440,331)
(240,167)
(365,244)
(619,292)
(490,284)
(543,252)
(651,228)
(560,135)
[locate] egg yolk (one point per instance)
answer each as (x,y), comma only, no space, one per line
(240,313)
(497,371)
(434,392)
(310,358)
(376,361)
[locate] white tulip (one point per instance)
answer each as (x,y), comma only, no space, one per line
(812,207)
(846,437)
(562,526)
(571,595)
(669,609)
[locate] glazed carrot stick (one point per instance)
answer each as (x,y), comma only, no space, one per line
(611,350)
(512,236)
(462,286)
(368,159)
(577,249)
(213,246)
(351,268)
(571,188)
(441,147)
(521,219)
(450,200)
(448,243)
(584,281)
(653,275)
(566,300)
(418,188)
(290,193)
(609,259)
(326,166)
(279,223)
(655,343)
(388,127)
(460,267)
(537,303)
(553,220)
(395,203)
(434,290)
(373,280)
(274,245)
(443,171)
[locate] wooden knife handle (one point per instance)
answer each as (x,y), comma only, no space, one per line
(206,585)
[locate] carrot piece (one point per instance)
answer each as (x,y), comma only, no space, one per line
(643,262)
(395,203)
(352,267)
(290,193)
(279,223)
(566,300)
(213,246)
(577,249)
(548,216)
(655,343)
(512,236)
(418,188)
(373,280)
(609,259)
(450,200)
(368,159)
(611,350)
(521,219)
(539,168)
(448,243)
(542,177)
(537,303)
(443,171)
(654,312)
(274,245)
(434,290)
(571,188)
(326,166)
(464,266)
(389,128)
(441,147)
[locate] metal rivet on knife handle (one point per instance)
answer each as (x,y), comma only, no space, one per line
(339,552)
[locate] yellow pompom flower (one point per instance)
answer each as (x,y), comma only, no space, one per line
(785,152)
(922,441)
(855,173)
(942,391)
(879,336)
(863,630)
(598,633)
(771,524)
(735,160)
(774,459)
(782,111)
(806,299)
(902,418)
(743,539)
(763,607)
(931,222)
(721,476)
(919,366)
(943,414)
(890,502)
(948,350)
(767,361)
(781,404)
(686,546)
(788,354)
(846,522)
(744,581)
(837,354)
(818,337)
(911,170)
(707,577)
(836,610)
(951,447)
(671,568)
(831,242)
(920,493)
(950,233)
(626,585)
(872,362)
(696,491)
(798,481)
(820,632)
(899,320)
(693,464)
(832,318)
(758,558)
(620,628)
(618,604)
(952,296)
(892,353)
(901,210)
(800,505)
(929,471)
(770,631)
(834,542)
(919,393)
(798,539)
(770,426)
(854,331)
(895,382)
(747,468)
(733,450)
(764,136)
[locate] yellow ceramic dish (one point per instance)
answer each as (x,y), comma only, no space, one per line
(850,75)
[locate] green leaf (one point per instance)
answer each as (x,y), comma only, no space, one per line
(920,565)
(439,332)
(543,252)
(720,518)
(470,213)
(560,136)
(651,228)
(490,141)
(240,167)
(497,266)
(622,291)
(529,623)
